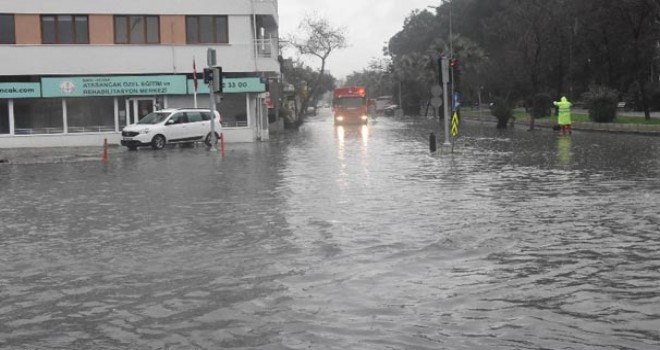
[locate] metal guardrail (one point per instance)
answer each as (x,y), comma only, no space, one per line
(95,128)
(266,48)
(59,130)
(235,124)
(38,131)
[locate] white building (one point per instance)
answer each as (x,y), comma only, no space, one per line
(74,72)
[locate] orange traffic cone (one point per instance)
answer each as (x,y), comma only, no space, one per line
(222,144)
(105,151)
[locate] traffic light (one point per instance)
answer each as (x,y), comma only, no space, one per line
(455,71)
(208,75)
(213,76)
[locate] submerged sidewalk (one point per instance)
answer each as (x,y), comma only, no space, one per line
(53,154)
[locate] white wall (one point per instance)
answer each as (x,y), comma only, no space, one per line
(116,59)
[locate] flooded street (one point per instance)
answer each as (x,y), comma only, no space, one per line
(339,238)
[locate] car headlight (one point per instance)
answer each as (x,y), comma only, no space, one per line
(364,117)
(340,118)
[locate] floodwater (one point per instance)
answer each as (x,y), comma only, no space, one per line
(339,238)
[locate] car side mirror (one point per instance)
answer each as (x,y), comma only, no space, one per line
(169,122)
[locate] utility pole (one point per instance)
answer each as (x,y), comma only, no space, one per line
(445,80)
(451,52)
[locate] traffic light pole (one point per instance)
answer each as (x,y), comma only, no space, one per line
(214,140)
(211,61)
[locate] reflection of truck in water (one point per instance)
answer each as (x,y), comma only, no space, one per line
(350,104)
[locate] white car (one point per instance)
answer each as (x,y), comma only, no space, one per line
(181,125)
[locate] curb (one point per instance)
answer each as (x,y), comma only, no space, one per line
(588,126)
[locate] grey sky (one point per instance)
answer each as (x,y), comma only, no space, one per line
(369,23)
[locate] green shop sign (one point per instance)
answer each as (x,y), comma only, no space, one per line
(147,85)
(20,90)
(230,86)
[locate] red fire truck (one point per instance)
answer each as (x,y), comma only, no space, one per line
(350,104)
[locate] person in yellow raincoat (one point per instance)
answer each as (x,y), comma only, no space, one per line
(564,115)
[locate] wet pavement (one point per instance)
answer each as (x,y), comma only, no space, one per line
(339,238)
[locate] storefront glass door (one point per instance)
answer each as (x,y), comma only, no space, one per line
(138,108)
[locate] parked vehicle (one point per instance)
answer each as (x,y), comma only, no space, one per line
(170,126)
(390,110)
(382,102)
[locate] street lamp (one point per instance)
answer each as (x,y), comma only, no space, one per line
(451,33)
(451,44)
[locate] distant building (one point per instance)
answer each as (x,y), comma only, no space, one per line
(74,72)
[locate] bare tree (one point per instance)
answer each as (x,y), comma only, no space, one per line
(318,38)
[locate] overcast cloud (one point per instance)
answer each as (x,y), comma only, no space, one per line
(369,24)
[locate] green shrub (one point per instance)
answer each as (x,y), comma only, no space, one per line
(502,111)
(602,103)
(541,106)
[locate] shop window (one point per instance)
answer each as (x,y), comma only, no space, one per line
(64,29)
(7,34)
(4,117)
(206,30)
(38,116)
(137,30)
(90,114)
(234,110)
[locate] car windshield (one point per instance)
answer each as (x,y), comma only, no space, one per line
(349,102)
(153,118)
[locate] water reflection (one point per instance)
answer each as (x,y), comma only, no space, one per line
(564,148)
(344,132)
(348,133)
(341,141)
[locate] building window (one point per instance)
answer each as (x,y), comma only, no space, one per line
(7,35)
(4,117)
(38,116)
(64,29)
(90,114)
(137,30)
(234,110)
(206,30)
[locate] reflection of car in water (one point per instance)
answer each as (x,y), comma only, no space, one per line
(350,104)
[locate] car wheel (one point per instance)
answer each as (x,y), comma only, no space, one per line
(207,140)
(158,142)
